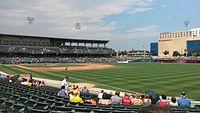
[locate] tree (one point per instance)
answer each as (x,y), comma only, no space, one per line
(166,52)
(176,53)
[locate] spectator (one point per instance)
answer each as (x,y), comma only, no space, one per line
(137,100)
(30,76)
(76,89)
(65,82)
(92,101)
(42,84)
(84,91)
(105,100)
(62,92)
(24,81)
(155,109)
(30,83)
(116,99)
(163,101)
(2,76)
(183,101)
(126,100)
(147,100)
(100,94)
(110,95)
(173,102)
(75,98)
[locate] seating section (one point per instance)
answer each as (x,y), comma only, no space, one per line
(66,54)
(17,98)
(55,50)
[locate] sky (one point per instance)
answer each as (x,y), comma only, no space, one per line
(128,24)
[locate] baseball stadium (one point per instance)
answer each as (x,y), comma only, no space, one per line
(87,64)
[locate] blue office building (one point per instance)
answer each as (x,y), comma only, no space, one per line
(154,48)
(193,45)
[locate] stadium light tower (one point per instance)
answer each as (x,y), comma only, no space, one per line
(78,25)
(30,21)
(144,47)
(186,23)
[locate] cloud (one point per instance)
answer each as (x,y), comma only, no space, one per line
(141,6)
(164,6)
(57,18)
(139,9)
(143,32)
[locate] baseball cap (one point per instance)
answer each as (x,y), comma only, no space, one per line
(183,93)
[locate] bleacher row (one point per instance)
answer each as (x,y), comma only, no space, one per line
(17,98)
(55,50)
(18,60)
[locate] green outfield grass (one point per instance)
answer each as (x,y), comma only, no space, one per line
(169,79)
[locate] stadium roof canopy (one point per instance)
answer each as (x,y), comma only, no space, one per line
(61,39)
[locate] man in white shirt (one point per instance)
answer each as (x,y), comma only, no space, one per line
(65,82)
(100,94)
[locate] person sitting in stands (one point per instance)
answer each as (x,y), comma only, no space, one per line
(183,101)
(2,76)
(100,95)
(42,84)
(84,91)
(163,101)
(155,109)
(173,102)
(105,100)
(92,101)
(30,83)
(116,99)
(126,100)
(147,100)
(137,100)
(75,98)
(62,92)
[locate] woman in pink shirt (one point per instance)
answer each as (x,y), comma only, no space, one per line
(126,100)
(163,101)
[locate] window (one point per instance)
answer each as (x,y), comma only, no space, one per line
(24,43)
(5,42)
(12,42)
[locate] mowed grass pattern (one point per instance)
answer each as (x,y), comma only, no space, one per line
(169,79)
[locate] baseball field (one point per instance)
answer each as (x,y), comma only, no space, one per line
(169,79)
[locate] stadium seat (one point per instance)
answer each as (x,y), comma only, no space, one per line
(30,103)
(41,99)
(82,110)
(58,104)
(124,112)
(60,108)
(18,108)
(8,104)
(15,97)
(3,111)
(22,100)
(180,111)
(62,112)
(100,111)
(41,106)
(34,97)
(50,102)
(38,111)
(6,94)
(194,111)
(2,100)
